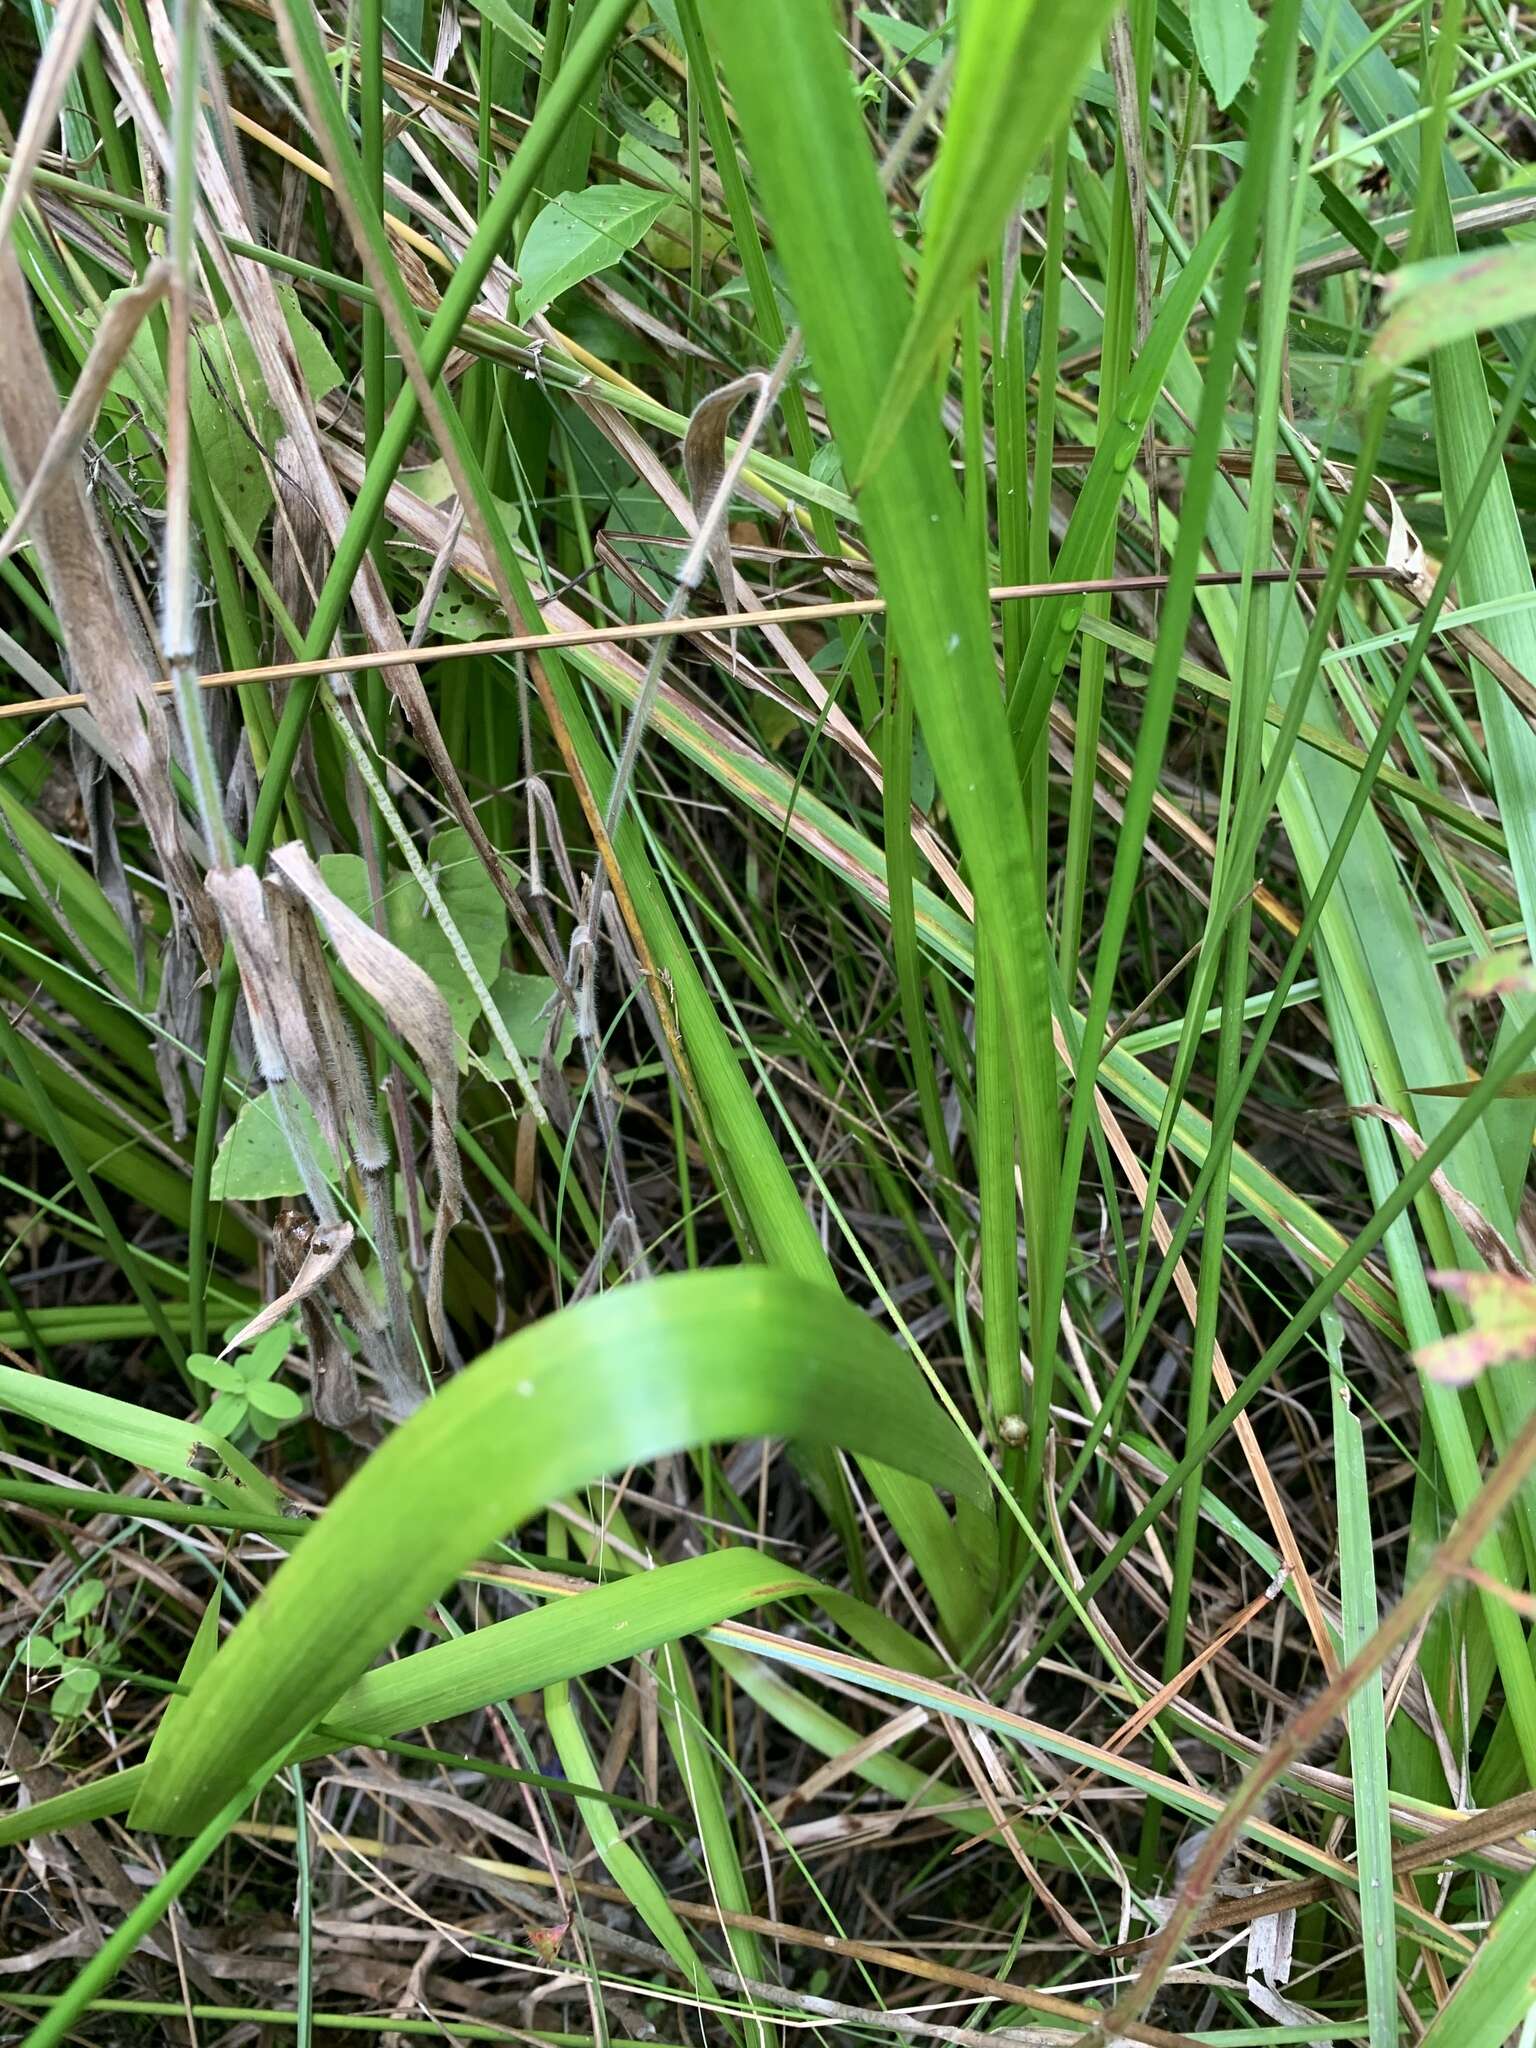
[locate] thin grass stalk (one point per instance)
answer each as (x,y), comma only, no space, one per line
(1245,208)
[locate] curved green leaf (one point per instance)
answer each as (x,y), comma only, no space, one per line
(635,1374)
(572,1635)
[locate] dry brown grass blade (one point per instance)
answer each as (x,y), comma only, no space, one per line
(50,82)
(1296,1740)
(704,467)
(114,337)
(103,635)
(414,1006)
(408,510)
(1488,1242)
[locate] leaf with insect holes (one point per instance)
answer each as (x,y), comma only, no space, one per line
(1430,305)
(1226,35)
(234,420)
(578,234)
(1503,1331)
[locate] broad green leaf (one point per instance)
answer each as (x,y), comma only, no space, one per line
(521,998)
(84,1599)
(670,240)
(1017,66)
(74,1691)
(578,234)
(229,1414)
(614,1381)
(1446,299)
(1226,35)
(255,1162)
(470,899)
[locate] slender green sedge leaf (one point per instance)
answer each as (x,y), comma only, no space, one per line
(1495,1992)
(615,1381)
(825,205)
(623,1862)
(1367,1712)
(141,1436)
(1016,67)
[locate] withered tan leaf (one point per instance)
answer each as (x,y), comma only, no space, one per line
(103,635)
(285,1045)
(704,467)
(328,1246)
(114,337)
(61,53)
(415,1007)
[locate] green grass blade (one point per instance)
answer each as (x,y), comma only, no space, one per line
(1017,64)
(626,1377)
(825,204)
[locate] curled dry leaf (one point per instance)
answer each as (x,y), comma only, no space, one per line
(103,636)
(1484,1239)
(414,1006)
(338,1399)
(704,467)
(301,1037)
(327,1246)
(1503,1309)
(285,1045)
